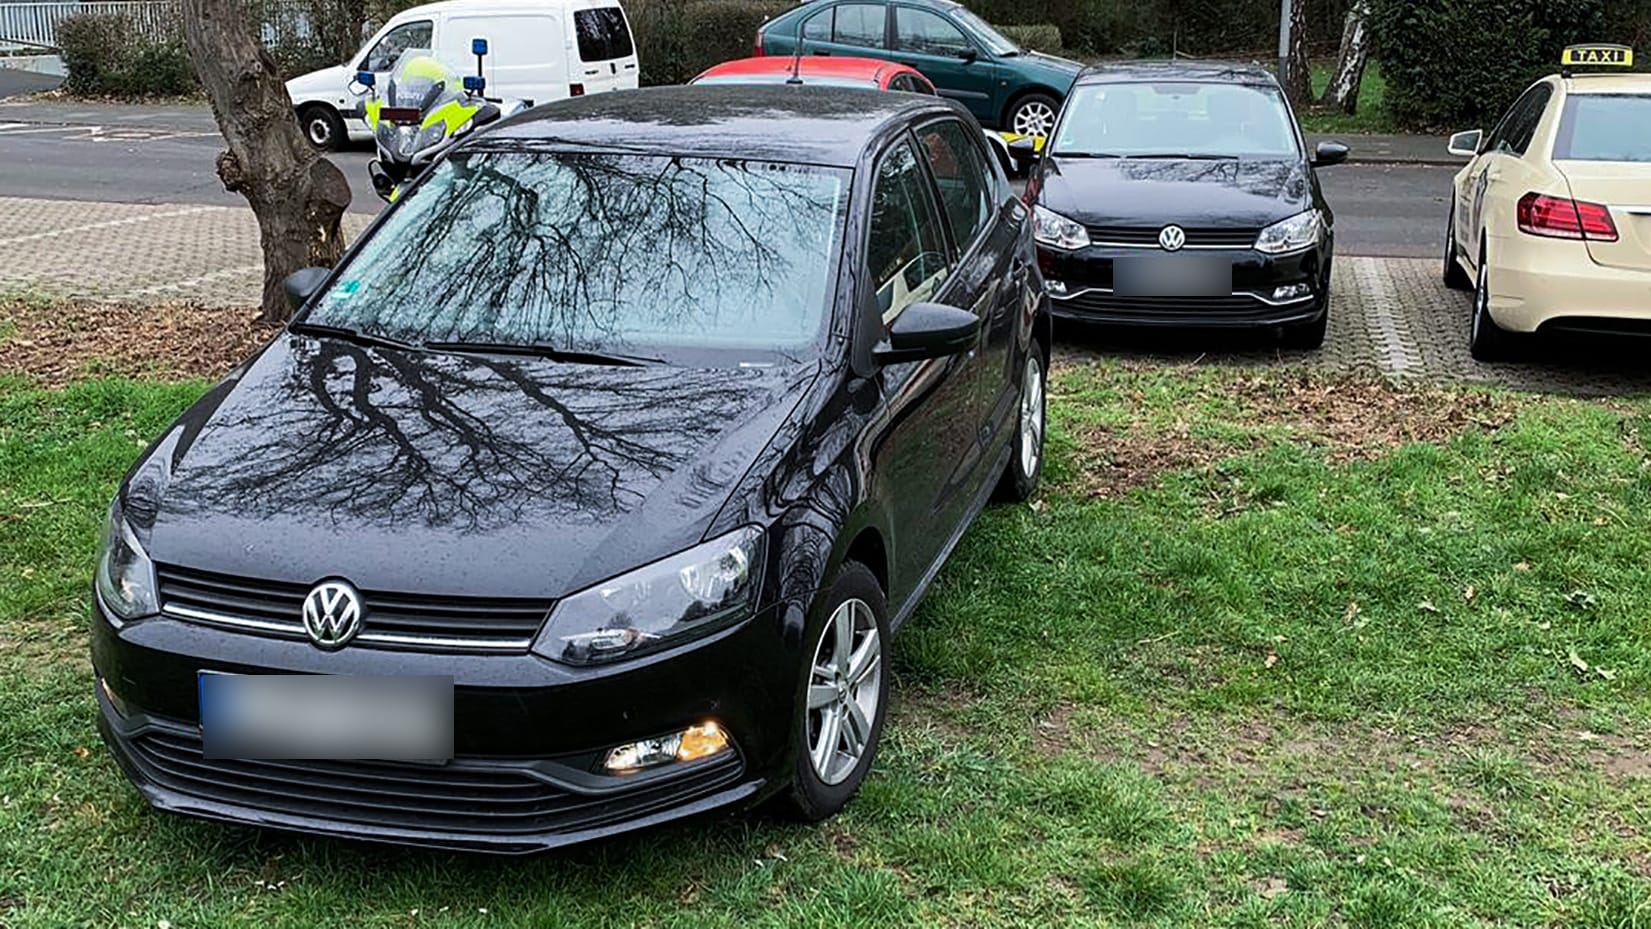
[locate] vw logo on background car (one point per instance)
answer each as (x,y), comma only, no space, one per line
(332,614)
(1172,238)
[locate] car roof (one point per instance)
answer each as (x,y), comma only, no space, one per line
(1224,72)
(770,122)
(808,65)
(1588,83)
(489,6)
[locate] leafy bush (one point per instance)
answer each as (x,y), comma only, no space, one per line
(1458,63)
(677,39)
(1040,37)
(106,55)
(1199,27)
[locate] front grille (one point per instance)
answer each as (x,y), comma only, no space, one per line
(1147,237)
(465,796)
(1237,308)
(407,621)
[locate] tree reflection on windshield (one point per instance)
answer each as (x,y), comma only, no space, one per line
(640,254)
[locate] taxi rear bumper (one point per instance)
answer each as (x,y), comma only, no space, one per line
(1538,283)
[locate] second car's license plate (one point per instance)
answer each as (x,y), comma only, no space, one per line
(310,716)
(1172,276)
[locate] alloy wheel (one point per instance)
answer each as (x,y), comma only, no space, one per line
(844,688)
(1034,118)
(1031,414)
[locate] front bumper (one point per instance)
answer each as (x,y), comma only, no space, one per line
(1542,283)
(529,736)
(1086,275)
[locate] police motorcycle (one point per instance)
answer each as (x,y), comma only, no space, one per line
(425,107)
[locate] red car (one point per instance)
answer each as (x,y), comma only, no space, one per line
(818,71)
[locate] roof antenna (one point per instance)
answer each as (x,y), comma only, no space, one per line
(797,58)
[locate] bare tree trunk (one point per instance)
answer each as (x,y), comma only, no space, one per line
(1298,84)
(298,196)
(1343,92)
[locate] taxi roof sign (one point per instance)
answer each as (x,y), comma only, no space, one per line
(1608,56)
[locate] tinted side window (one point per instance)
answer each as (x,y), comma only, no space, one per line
(961,174)
(906,250)
(401,38)
(860,24)
(1524,129)
(603,34)
(927,33)
(909,84)
(1505,130)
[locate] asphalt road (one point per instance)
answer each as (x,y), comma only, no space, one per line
(166,155)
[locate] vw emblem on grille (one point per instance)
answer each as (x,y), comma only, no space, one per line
(1172,238)
(332,614)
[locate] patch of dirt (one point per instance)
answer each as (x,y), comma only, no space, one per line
(1051,733)
(1350,418)
(53,342)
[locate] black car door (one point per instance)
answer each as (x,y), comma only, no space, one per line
(931,429)
(984,221)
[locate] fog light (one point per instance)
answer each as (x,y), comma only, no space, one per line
(1292,292)
(1056,288)
(692,743)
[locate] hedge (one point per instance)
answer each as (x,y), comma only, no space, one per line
(1455,64)
(677,39)
(1039,37)
(106,56)
(1156,28)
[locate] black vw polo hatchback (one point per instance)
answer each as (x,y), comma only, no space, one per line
(1181,194)
(587,491)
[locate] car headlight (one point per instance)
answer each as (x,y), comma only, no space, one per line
(660,605)
(1051,228)
(125,576)
(1291,235)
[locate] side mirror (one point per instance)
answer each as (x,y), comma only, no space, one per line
(969,56)
(928,330)
(1466,144)
(1329,153)
(1024,152)
(300,286)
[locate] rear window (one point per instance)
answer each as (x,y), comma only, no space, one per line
(603,34)
(1605,127)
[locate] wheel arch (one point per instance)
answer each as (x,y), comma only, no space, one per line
(1022,93)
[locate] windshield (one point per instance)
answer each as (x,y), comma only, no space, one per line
(694,260)
(1176,119)
(995,41)
(1605,127)
(419,80)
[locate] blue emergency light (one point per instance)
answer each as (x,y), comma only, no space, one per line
(478,46)
(474,83)
(365,78)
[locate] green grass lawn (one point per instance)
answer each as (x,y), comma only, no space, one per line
(1303,676)
(1372,115)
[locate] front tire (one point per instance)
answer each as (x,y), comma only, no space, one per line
(1033,115)
(1487,341)
(1025,469)
(323,127)
(844,695)
(1455,278)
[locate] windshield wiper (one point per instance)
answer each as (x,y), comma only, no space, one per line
(1087,155)
(350,335)
(1190,156)
(543,350)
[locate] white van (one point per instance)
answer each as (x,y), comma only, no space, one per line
(538,50)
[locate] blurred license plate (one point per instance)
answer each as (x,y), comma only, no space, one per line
(1172,276)
(311,716)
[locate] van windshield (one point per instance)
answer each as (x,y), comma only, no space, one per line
(603,34)
(693,261)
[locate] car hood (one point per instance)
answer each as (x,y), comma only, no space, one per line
(1190,192)
(1054,69)
(450,474)
(329,81)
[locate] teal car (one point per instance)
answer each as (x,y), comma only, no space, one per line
(1005,86)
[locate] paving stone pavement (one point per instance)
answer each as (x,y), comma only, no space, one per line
(1389,316)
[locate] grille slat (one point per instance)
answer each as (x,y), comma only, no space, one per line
(1196,237)
(443,798)
(492,624)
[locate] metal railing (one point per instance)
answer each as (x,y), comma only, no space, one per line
(33,25)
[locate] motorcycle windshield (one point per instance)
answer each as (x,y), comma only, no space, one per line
(420,81)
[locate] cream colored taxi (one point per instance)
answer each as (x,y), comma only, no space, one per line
(1550,222)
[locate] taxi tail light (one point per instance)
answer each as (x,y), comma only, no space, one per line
(1563,218)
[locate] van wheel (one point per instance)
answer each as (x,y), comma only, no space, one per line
(323,127)
(843,697)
